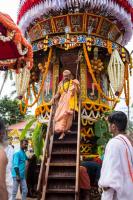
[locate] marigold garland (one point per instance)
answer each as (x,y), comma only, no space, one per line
(126,84)
(23,112)
(89,105)
(88,133)
(41,87)
(109,46)
(94,78)
(44,107)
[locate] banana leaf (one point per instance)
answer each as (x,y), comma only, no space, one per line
(27,127)
(37,140)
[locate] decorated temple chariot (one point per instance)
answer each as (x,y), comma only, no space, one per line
(87,37)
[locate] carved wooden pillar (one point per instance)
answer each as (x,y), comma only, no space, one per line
(83,80)
(55,76)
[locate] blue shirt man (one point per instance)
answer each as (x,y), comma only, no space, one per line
(18,170)
(19,161)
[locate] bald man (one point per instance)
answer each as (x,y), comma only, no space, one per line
(67,104)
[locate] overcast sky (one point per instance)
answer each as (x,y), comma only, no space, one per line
(11,6)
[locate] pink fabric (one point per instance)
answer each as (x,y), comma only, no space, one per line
(63,116)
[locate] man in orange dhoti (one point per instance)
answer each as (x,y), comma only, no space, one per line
(67,95)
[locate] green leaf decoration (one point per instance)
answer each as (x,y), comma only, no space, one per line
(27,127)
(107,113)
(100,150)
(37,140)
(100,127)
(107,135)
(101,141)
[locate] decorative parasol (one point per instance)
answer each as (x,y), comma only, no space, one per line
(119,11)
(15,51)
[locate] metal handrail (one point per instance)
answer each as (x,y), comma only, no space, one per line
(78,152)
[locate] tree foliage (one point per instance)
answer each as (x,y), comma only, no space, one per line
(9,111)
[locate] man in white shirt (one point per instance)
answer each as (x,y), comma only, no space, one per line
(9,180)
(116,178)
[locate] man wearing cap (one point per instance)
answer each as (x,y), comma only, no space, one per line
(67,105)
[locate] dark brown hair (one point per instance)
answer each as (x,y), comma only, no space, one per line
(118,118)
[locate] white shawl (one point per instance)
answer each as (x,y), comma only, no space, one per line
(117,170)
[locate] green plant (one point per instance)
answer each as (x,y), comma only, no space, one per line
(102,131)
(38,135)
(37,138)
(26,129)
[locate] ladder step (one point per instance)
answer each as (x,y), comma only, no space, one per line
(63,164)
(60,196)
(66,158)
(64,153)
(72,132)
(60,191)
(62,171)
(60,177)
(64,142)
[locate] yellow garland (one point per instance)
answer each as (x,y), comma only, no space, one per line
(94,78)
(53,25)
(44,107)
(109,46)
(41,87)
(44,76)
(21,109)
(89,105)
(89,133)
(126,84)
(131,61)
(85,148)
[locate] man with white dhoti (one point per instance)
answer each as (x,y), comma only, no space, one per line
(9,180)
(116,179)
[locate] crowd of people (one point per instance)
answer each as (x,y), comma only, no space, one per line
(12,167)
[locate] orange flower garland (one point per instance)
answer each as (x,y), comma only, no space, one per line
(126,84)
(109,46)
(94,78)
(42,84)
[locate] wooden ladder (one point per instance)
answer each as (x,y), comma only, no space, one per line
(59,173)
